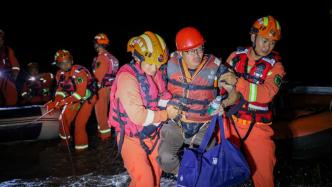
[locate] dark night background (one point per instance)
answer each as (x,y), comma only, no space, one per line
(36,31)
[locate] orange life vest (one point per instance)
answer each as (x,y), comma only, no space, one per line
(192,94)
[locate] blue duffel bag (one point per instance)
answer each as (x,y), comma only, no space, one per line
(222,165)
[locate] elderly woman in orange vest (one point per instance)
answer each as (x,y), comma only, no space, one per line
(257,76)
(138,100)
(74,97)
(104,68)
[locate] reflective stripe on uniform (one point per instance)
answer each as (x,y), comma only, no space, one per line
(45,90)
(64,137)
(77,96)
(16,68)
(253,92)
(104,131)
(81,146)
(63,94)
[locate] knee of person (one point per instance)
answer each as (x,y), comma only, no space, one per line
(170,131)
(168,162)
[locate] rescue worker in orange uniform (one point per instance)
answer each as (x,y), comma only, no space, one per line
(37,87)
(104,67)
(192,81)
(257,76)
(73,96)
(9,70)
(138,100)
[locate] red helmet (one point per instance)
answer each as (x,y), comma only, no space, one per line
(188,38)
(62,55)
(267,27)
(102,39)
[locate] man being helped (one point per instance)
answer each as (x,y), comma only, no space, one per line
(192,81)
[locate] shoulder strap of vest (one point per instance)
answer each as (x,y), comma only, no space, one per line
(269,59)
(241,50)
(122,126)
(143,82)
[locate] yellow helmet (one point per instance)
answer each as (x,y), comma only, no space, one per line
(149,47)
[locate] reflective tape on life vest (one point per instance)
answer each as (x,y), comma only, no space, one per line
(255,107)
(149,117)
(15,68)
(162,103)
(244,122)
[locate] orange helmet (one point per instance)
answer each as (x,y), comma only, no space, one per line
(62,55)
(188,38)
(149,47)
(267,27)
(102,39)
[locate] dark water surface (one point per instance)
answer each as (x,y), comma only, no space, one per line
(48,163)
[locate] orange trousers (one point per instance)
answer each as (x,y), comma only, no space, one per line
(82,113)
(101,109)
(8,92)
(259,150)
(142,168)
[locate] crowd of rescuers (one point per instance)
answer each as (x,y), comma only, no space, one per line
(158,102)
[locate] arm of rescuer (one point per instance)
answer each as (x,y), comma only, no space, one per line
(262,93)
(128,92)
(61,97)
(101,68)
(14,63)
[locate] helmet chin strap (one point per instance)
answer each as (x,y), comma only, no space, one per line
(254,48)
